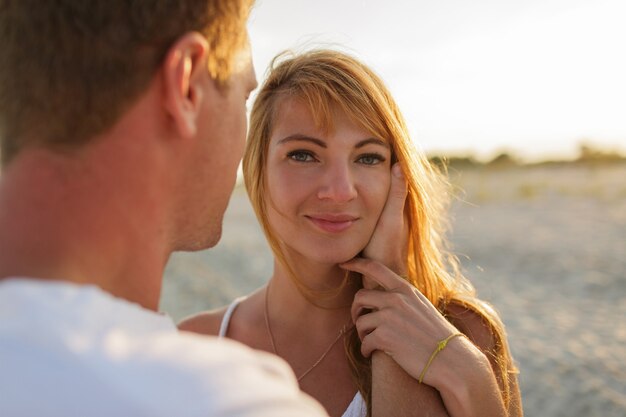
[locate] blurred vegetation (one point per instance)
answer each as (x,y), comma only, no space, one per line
(588,155)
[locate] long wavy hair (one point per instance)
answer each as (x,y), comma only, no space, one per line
(326,78)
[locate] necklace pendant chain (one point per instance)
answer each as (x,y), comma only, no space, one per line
(342,332)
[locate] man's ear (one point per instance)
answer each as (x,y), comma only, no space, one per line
(185,73)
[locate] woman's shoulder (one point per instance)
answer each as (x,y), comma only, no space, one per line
(206,322)
(214,322)
(475,322)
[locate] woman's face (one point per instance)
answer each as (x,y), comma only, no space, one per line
(326,189)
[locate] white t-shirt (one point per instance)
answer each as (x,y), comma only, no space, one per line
(71,350)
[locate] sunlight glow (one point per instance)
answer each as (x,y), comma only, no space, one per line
(536,77)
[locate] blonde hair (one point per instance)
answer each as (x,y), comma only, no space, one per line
(321,78)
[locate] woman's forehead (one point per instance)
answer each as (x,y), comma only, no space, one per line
(295,113)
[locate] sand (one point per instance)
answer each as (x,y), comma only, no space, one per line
(546,246)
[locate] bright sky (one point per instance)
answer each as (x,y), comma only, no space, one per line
(534,77)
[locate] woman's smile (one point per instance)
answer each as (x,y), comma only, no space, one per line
(332,223)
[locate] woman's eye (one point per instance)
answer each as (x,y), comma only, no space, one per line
(301,156)
(371,159)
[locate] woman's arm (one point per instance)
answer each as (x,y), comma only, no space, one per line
(403,329)
(474,327)
(396,393)
(406,327)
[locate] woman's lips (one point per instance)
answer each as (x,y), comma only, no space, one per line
(333,223)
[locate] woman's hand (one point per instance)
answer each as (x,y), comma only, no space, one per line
(394,317)
(401,322)
(389,240)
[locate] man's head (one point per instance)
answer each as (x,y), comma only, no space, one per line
(74,72)
(212,123)
(70,68)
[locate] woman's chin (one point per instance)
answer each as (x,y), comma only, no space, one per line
(338,258)
(330,254)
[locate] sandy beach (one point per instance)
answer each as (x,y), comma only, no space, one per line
(545,245)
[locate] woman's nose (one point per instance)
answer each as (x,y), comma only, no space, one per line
(338,184)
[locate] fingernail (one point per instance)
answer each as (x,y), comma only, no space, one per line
(397,170)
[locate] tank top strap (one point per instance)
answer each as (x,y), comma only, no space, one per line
(228,314)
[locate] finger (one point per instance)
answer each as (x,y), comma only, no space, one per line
(406,302)
(359,306)
(392,216)
(390,226)
(397,194)
(374,340)
(376,271)
(366,324)
(370,284)
(372,300)
(367,345)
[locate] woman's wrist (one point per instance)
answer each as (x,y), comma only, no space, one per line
(463,376)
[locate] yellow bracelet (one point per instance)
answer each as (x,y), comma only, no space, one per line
(440,346)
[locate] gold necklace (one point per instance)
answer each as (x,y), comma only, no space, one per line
(342,332)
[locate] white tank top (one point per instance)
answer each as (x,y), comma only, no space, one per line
(357,407)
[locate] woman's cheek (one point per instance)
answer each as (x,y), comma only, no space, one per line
(380,191)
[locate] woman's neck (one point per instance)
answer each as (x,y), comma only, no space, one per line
(324,294)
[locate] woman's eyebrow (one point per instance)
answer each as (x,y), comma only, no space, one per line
(374,141)
(302,138)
